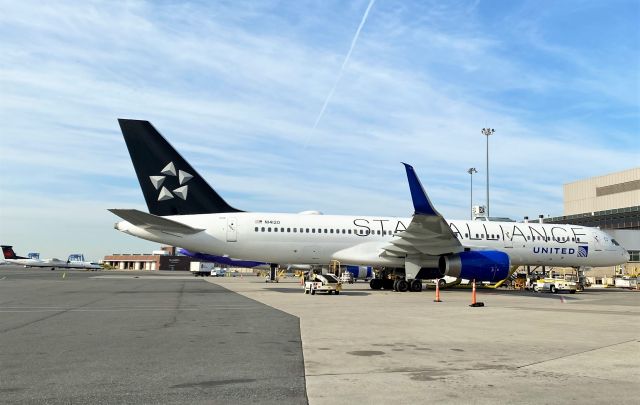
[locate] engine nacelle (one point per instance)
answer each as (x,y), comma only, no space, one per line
(360,272)
(481,265)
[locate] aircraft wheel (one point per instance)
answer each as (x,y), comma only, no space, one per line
(375,284)
(387,284)
(553,289)
(402,285)
(337,292)
(416,285)
(441,283)
(313,292)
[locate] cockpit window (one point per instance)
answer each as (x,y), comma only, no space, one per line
(614,242)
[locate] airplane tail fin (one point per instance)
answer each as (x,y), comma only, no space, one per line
(8,253)
(169,184)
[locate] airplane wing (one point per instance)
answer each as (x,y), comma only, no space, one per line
(428,233)
(154,222)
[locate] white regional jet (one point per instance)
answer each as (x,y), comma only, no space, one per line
(185,211)
(75,260)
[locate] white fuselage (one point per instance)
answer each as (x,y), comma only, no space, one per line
(360,240)
(53,263)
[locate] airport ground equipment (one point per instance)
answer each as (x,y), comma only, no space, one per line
(346,278)
(202,269)
(554,285)
(437,293)
(322,283)
(474,301)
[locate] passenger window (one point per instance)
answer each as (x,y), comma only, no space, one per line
(281,229)
(262,230)
(295,230)
(349,231)
(275,229)
(313,230)
(288,229)
(466,235)
(307,230)
(331,231)
(477,236)
(269,229)
(256,229)
(378,232)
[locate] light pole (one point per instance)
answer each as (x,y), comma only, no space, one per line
(471,171)
(487,132)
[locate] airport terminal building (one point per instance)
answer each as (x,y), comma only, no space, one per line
(610,202)
(163,259)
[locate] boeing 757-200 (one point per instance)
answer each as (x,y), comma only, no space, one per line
(185,211)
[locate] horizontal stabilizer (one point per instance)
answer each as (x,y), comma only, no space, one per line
(153,222)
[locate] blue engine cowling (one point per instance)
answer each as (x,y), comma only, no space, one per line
(481,265)
(360,272)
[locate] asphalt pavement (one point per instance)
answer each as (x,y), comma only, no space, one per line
(105,338)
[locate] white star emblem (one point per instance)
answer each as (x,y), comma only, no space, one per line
(170,170)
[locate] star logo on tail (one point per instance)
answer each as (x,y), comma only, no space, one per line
(170,171)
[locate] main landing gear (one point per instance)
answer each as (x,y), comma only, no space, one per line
(399,284)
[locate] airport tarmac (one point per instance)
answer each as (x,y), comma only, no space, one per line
(384,347)
(167,337)
(140,338)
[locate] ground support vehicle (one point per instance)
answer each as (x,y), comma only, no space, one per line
(202,269)
(346,277)
(322,283)
(554,285)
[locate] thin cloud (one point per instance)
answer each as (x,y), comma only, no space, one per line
(234,87)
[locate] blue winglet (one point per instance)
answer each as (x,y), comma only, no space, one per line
(421,203)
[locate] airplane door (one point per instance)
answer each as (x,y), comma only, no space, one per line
(232,232)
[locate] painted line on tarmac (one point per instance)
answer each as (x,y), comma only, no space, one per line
(55,309)
(99,310)
(579,353)
(148,277)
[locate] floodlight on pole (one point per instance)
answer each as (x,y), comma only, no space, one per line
(471,171)
(487,132)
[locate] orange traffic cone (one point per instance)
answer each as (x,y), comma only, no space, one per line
(475,303)
(437,292)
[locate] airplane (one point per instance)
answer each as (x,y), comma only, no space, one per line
(74,261)
(184,210)
(77,261)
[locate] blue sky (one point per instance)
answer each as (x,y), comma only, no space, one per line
(237,86)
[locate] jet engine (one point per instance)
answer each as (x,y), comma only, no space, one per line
(360,272)
(481,265)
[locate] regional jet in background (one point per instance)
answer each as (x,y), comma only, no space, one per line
(185,211)
(74,261)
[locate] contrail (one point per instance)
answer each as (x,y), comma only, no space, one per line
(344,64)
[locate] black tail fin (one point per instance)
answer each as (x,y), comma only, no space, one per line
(169,184)
(8,253)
